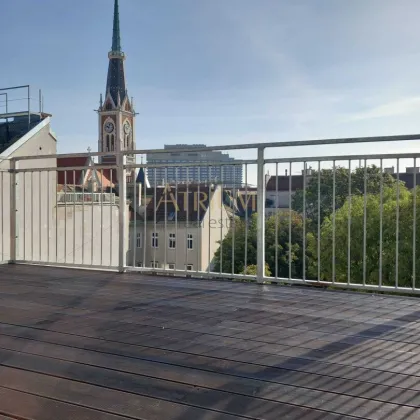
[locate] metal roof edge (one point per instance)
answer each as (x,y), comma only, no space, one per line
(19,143)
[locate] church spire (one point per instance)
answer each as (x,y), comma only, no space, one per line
(116,36)
(116,74)
(116,115)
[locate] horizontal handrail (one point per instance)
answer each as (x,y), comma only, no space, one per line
(296,143)
(338,158)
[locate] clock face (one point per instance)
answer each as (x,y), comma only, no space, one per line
(109,127)
(127,128)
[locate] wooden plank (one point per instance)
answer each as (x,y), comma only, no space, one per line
(213,400)
(99,398)
(357,396)
(27,406)
(253,356)
(344,344)
(311,348)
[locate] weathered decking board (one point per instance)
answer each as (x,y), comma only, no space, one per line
(91,345)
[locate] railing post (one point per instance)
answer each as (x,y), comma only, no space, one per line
(122,187)
(13,211)
(261,216)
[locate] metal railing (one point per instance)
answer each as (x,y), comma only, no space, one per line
(348,221)
(5,233)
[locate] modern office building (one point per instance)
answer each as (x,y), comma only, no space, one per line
(215,167)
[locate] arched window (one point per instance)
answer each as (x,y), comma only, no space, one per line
(127,142)
(112,143)
(108,145)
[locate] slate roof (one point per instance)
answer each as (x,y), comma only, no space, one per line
(116,76)
(116,79)
(283,183)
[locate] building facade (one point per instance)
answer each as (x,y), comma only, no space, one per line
(179,229)
(212,166)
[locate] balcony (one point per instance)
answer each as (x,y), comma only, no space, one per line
(143,326)
(78,344)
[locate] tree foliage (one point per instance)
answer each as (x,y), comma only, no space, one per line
(355,207)
(354,229)
(326,176)
(252,270)
(244,237)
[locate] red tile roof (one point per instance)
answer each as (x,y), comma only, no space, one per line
(72,177)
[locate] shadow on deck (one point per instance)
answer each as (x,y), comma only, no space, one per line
(93,345)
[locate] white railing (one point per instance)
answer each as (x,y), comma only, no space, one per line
(341,221)
(5,233)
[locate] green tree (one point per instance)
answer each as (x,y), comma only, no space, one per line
(240,238)
(252,270)
(356,209)
(373,182)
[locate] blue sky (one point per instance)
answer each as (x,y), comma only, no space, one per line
(223,71)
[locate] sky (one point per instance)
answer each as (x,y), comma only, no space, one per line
(223,71)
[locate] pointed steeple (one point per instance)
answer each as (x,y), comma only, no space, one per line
(116,75)
(116,36)
(115,106)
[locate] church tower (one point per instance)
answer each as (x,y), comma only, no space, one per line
(116,112)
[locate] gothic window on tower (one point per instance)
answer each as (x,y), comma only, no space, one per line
(108,143)
(127,141)
(112,143)
(127,135)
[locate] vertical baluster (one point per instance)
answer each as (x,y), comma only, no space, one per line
(74,216)
(381,211)
(397,228)
(333,223)
(246,218)
(364,221)
(276,215)
(304,221)
(221,217)
(290,220)
(414,222)
(349,231)
(65,216)
(319,222)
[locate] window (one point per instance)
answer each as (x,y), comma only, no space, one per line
(189,241)
(171,266)
(139,264)
(154,264)
(155,240)
(190,267)
(172,241)
(139,240)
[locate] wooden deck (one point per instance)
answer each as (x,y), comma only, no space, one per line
(87,345)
